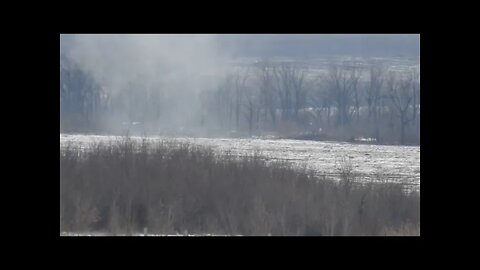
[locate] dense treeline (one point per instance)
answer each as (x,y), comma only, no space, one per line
(343,102)
(346,101)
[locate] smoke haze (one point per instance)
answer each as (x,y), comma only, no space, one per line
(175,68)
(170,81)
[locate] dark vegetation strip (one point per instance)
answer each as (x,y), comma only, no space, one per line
(165,188)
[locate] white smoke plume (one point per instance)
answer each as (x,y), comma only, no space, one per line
(177,68)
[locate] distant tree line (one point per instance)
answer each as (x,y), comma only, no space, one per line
(284,99)
(346,101)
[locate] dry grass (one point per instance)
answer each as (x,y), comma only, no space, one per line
(122,188)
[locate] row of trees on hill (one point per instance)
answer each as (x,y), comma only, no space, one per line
(343,101)
(285,99)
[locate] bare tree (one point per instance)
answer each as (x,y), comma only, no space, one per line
(402,90)
(291,90)
(416,97)
(253,106)
(299,89)
(340,85)
(267,90)
(81,98)
(321,99)
(224,101)
(240,78)
(354,77)
(373,94)
(283,90)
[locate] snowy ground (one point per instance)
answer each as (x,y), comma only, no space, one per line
(394,163)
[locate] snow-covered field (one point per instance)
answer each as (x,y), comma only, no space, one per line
(393,163)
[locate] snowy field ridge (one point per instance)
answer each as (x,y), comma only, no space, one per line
(368,161)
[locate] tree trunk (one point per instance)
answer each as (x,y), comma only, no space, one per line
(237,114)
(328,116)
(402,128)
(250,122)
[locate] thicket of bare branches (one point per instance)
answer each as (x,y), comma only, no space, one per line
(167,188)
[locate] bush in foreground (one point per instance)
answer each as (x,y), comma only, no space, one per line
(167,188)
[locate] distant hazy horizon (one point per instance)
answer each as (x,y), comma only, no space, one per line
(309,45)
(305,45)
